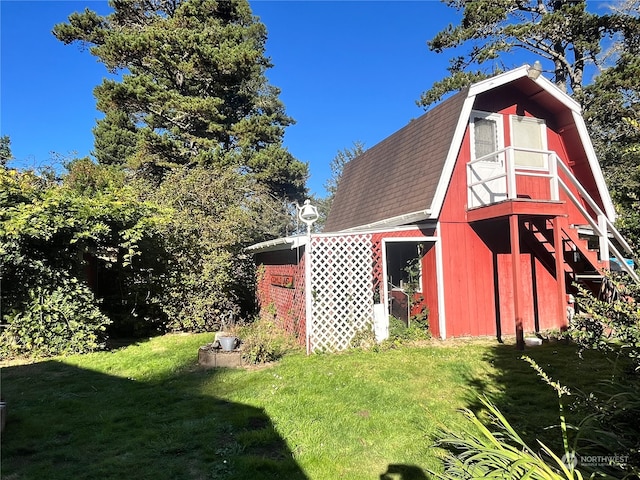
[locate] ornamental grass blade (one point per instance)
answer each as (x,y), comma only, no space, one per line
(568,473)
(499,454)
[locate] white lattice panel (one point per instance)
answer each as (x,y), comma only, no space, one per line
(341,288)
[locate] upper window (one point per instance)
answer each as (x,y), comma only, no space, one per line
(529,136)
(486,136)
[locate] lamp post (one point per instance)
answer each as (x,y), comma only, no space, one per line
(308,214)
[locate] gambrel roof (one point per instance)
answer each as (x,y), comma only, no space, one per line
(398,176)
(404,178)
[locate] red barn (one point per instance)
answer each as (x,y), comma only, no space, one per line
(496,195)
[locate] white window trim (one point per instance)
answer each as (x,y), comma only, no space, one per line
(543,133)
(423,240)
(496,117)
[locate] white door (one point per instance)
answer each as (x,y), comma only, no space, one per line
(487,173)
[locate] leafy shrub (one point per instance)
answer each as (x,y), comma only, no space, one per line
(612,320)
(364,339)
(419,318)
(399,334)
(206,274)
(263,341)
(55,320)
(397,329)
(89,226)
(417,330)
(611,425)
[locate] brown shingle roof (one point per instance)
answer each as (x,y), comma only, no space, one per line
(399,175)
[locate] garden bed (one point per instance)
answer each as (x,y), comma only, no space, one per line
(212,357)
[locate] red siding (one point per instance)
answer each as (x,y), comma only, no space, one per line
(430,289)
(535,188)
(468,282)
(538,294)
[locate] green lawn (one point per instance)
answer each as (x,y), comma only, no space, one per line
(148,410)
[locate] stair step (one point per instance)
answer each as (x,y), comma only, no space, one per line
(588,276)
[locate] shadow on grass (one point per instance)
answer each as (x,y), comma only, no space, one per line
(65,422)
(403,472)
(528,403)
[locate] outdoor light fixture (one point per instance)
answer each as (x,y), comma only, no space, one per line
(535,70)
(308,214)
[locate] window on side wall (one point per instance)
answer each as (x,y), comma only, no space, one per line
(529,133)
(486,133)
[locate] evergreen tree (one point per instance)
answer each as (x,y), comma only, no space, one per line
(5,150)
(338,163)
(612,113)
(193,89)
(562,31)
(193,116)
(331,185)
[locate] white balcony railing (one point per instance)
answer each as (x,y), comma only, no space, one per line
(492,178)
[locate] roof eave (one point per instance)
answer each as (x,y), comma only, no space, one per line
(452,156)
(595,167)
(277,244)
(399,220)
(520,72)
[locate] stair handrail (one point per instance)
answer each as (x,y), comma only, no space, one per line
(598,211)
(594,206)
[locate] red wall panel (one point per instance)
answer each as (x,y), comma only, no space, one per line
(430,289)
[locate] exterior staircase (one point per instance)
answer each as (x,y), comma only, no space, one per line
(581,262)
(609,239)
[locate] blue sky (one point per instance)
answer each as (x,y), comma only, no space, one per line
(348,71)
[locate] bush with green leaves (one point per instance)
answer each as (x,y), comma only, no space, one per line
(214,215)
(418,326)
(611,426)
(399,334)
(364,339)
(54,236)
(54,320)
(417,330)
(611,320)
